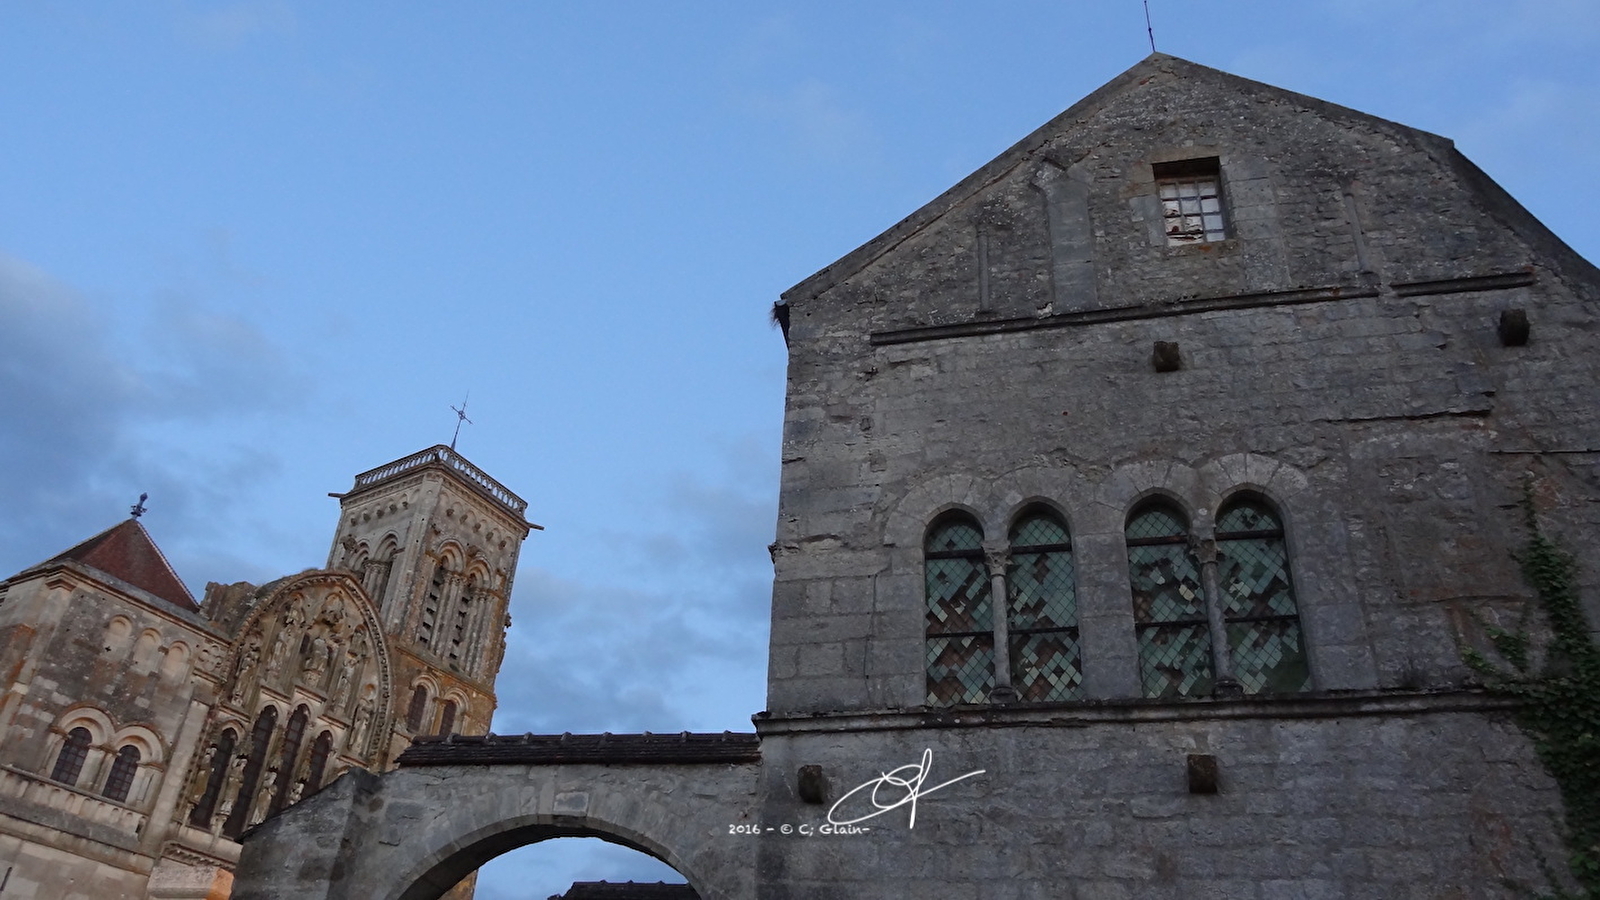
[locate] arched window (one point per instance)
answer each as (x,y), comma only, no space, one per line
(260,741)
(378,570)
(447,717)
(292,736)
(1263,621)
(120,781)
(221,755)
(960,625)
(418,708)
(321,749)
(1042,611)
(73,752)
(1169,605)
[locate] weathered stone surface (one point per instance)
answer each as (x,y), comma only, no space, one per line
(1341,361)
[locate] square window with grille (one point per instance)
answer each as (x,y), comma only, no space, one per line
(1192,209)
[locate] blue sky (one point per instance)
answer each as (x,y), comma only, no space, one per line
(250,249)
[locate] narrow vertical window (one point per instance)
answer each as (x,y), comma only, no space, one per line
(1263,621)
(960,625)
(321,749)
(221,755)
(1042,611)
(120,781)
(447,718)
(419,707)
(70,761)
(1169,605)
(289,755)
(430,607)
(260,741)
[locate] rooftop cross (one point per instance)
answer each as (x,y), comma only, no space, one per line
(461,416)
(138,508)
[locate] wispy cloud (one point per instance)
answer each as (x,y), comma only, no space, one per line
(226,26)
(95,418)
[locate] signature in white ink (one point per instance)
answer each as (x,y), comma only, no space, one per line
(910,782)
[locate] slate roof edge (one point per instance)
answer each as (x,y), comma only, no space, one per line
(1021,151)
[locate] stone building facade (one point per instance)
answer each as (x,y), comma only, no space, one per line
(144,733)
(1139,495)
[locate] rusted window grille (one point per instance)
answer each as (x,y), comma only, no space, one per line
(221,755)
(73,752)
(120,781)
(960,623)
(1042,611)
(1169,605)
(1191,201)
(1263,621)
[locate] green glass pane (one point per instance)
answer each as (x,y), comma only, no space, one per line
(1155,523)
(958,596)
(957,534)
(1254,573)
(960,670)
(1037,531)
(1175,660)
(1268,657)
(1247,515)
(1041,590)
(1047,667)
(1166,584)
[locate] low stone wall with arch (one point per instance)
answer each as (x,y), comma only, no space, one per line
(413,833)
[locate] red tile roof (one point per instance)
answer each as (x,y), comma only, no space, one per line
(125,551)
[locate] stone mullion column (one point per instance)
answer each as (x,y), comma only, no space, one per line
(1000,609)
(1205,550)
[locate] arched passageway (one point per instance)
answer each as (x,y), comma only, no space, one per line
(412,834)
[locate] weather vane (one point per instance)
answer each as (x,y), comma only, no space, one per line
(138,508)
(461,416)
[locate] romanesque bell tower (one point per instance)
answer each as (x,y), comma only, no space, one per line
(435,541)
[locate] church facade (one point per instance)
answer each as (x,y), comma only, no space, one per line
(1141,495)
(145,733)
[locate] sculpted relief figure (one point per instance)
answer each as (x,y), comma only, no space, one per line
(362,720)
(280,647)
(244,674)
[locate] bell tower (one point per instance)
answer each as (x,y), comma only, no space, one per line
(434,540)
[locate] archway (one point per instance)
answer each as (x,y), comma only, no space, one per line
(548,868)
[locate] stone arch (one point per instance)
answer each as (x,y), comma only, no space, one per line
(303,591)
(678,814)
(93,720)
(175,660)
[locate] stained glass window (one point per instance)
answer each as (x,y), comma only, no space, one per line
(960,626)
(1169,605)
(73,752)
(1042,611)
(1263,621)
(123,768)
